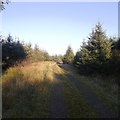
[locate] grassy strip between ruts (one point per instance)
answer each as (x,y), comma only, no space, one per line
(75,102)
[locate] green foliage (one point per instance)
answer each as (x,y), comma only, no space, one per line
(57,58)
(115,50)
(29,50)
(46,56)
(99,46)
(77,58)
(69,56)
(13,51)
(97,49)
(36,54)
(118,44)
(100,55)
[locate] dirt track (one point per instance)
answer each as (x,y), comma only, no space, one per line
(58,93)
(58,108)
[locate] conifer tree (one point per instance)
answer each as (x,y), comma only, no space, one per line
(99,45)
(69,56)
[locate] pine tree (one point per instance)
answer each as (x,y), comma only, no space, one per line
(69,56)
(14,51)
(29,50)
(77,57)
(85,54)
(99,45)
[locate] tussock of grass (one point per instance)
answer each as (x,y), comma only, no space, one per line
(27,90)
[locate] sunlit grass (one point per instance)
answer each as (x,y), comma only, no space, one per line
(27,89)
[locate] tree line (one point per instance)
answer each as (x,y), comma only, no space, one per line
(14,52)
(99,55)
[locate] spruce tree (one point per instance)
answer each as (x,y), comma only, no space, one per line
(69,56)
(99,45)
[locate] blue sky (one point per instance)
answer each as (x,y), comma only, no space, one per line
(54,26)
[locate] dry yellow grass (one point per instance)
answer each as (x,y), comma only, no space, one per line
(34,72)
(20,77)
(25,81)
